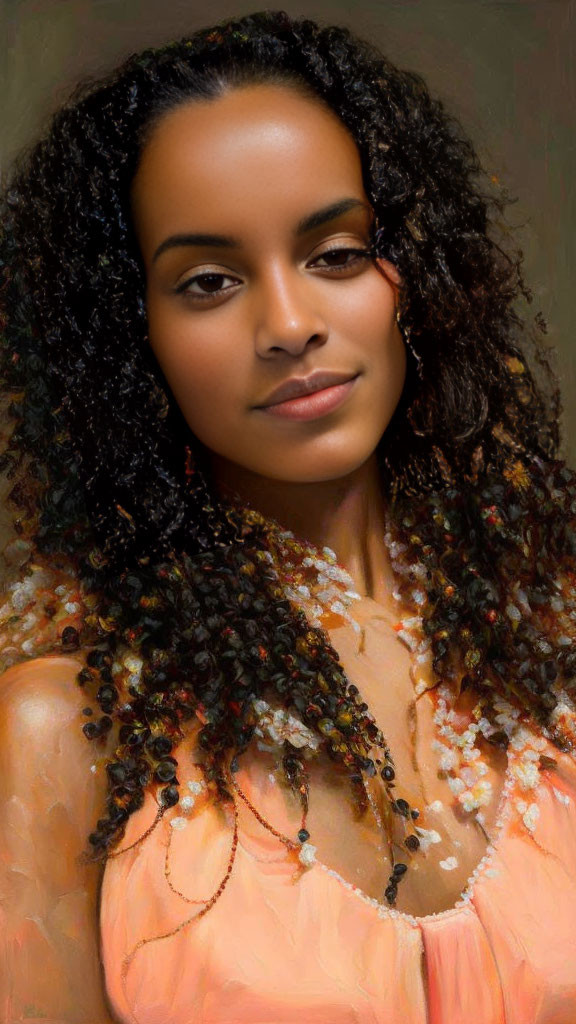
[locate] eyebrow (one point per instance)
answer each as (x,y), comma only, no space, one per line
(306,224)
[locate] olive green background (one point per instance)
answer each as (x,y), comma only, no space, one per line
(507,69)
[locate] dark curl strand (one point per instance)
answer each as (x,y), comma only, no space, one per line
(96,453)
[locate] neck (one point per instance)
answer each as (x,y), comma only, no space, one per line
(346,515)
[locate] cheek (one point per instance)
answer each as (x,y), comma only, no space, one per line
(201,368)
(369,322)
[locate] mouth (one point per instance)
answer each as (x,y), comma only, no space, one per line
(297,387)
(314,404)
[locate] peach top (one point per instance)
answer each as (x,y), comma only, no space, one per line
(274,950)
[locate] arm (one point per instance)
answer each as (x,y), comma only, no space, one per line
(50,800)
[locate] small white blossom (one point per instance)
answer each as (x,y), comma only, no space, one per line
(22,594)
(178,823)
(187,803)
(531,816)
(562,797)
(449,760)
(427,836)
(28,621)
(520,738)
(467,800)
(456,785)
(463,741)
(527,774)
(307,854)
(468,776)
(72,607)
(196,787)
(435,806)
(449,864)
(471,754)
(480,794)
(485,726)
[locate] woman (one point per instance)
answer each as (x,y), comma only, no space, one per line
(323,647)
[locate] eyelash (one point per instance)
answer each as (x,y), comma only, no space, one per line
(359,254)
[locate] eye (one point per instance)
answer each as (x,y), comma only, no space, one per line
(342,259)
(210,286)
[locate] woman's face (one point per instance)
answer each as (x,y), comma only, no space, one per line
(252,219)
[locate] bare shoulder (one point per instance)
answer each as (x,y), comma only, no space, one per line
(41,715)
(50,680)
(52,791)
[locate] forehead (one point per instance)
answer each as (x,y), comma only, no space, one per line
(257,146)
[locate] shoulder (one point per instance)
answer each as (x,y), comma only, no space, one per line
(41,686)
(52,785)
(41,718)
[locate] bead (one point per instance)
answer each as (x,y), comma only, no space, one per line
(169,796)
(391,893)
(402,807)
(400,869)
(165,771)
(303,835)
(388,773)
(161,745)
(412,842)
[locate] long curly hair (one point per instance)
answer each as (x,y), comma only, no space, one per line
(123,551)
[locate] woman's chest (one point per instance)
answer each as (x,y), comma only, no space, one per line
(450,840)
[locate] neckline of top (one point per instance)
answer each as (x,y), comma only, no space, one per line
(464,902)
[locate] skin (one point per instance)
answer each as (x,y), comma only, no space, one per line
(252,164)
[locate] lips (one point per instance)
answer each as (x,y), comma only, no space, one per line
(298,386)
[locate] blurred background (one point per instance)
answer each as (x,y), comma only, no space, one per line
(505,68)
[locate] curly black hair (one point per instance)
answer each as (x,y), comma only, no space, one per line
(97,449)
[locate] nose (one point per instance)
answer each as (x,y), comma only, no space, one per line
(287,317)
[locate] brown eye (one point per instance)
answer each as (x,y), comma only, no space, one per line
(342,259)
(204,286)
